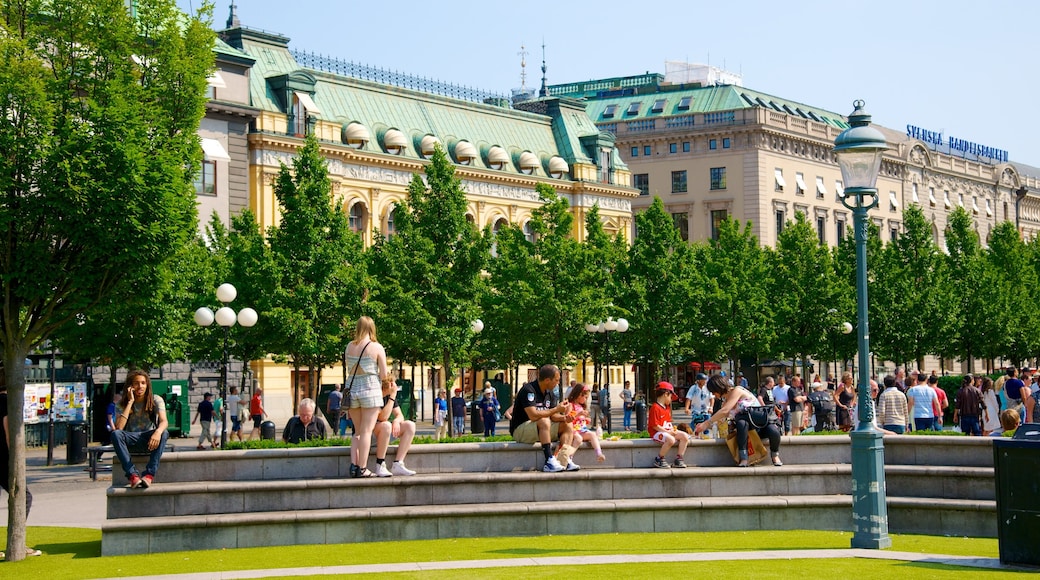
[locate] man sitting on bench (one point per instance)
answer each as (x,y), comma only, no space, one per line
(140,428)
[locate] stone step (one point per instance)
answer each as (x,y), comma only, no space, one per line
(334,462)
(538,516)
(217,497)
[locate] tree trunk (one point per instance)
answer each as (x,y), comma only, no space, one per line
(14,365)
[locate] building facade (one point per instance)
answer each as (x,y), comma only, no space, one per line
(376,135)
(711,152)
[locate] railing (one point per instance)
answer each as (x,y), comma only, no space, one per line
(364,72)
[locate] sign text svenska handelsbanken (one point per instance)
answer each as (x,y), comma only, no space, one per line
(952,144)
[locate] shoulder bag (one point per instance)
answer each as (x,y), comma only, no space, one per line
(353,373)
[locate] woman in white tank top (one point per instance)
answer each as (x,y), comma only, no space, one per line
(366,370)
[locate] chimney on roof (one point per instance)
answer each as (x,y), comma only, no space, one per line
(232,20)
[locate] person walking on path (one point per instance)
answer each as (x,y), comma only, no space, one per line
(922,402)
(332,411)
(892,409)
(204,414)
(141,427)
(604,408)
(489,409)
(366,361)
(968,407)
(458,413)
(991,413)
(440,414)
(627,404)
(256,412)
(234,403)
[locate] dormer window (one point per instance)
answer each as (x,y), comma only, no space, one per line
(465,153)
(658,106)
(497,158)
(684,103)
(356,136)
(527,163)
(394,142)
(558,167)
(633,108)
(428,145)
(610,111)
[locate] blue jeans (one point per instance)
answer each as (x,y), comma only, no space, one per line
(126,442)
(460,424)
(898,429)
(342,427)
(970,425)
(923,424)
(628,418)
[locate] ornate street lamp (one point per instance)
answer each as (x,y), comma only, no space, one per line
(859,150)
(605,328)
(226,318)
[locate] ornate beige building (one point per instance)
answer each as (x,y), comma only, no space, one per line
(724,150)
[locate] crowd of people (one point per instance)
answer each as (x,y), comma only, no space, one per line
(562,421)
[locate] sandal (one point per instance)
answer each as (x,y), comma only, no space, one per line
(363,472)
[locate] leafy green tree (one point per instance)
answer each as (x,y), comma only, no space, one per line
(1015,318)
(97,156)
(844,253)
(735,318)
(321,267)
(801,283)
(659,285)
(913,297)
(604,260)
(440,257)
(971,288)
(512,294)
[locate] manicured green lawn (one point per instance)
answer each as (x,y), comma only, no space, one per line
(76,553)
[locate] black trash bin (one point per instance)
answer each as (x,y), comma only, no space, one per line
(76,443)
(267,430)
(1016,462)
(476,420)
(640,407)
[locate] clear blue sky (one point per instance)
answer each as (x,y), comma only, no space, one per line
(967,69)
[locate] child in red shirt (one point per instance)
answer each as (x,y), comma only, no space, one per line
(661,428)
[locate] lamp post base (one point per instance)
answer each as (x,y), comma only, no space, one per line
(869,508)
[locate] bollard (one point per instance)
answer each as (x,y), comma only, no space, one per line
(640,407)
(267,430)
(476,420)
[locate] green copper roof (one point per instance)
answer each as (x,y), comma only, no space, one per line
(667,101)
(555,131)
(221,47)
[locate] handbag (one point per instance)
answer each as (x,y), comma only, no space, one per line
(761,415)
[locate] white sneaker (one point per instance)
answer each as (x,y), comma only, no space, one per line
(382,471)
(398,468)
(552,466)
(571,466)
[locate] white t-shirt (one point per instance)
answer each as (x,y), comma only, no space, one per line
(232,402)
(780,394)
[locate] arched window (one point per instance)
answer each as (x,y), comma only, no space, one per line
(529,232)
(391,214)
(356,217)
